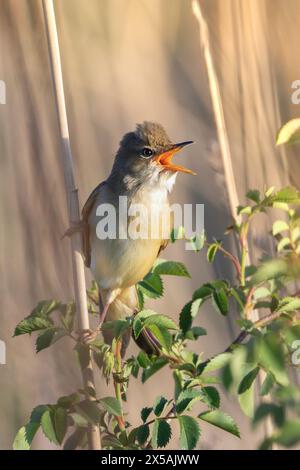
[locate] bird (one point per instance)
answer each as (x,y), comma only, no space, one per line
(144,172)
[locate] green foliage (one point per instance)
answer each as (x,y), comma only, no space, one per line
(261,362)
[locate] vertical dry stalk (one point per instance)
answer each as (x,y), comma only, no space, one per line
(224,143)
(72,200)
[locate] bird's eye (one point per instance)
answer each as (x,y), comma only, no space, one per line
(147,152)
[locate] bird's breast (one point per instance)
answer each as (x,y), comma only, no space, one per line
(122,262)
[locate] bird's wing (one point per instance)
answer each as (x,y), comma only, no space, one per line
(85,214)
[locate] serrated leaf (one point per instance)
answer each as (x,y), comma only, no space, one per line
(203,292)
(32,324)
(152,286)
(145,413)
(287,195)
(186,398)
(279,226)
(189,432)
(159,405)
(162,335)
(143,433)
(172,268)
(155,367)
(89,410)
(48,426)
(24,436)
(248,380)
(289,133)
(112,405)
(210,396)
(217,362)
(221,420)
(162,321)
(161,433)
(48,337)
(143,360)
(220,301)
(60,424)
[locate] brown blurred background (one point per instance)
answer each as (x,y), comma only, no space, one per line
(125,61)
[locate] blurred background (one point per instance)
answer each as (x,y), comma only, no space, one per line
(125,61)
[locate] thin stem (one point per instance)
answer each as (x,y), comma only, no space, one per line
(73,203)
(117,385)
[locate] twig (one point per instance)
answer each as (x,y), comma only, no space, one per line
(73,203)
(117,385)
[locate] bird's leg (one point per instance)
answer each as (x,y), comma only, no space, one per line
(89,335)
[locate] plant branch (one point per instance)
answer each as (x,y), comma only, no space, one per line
(72,200)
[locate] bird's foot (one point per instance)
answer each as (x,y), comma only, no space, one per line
(88,336)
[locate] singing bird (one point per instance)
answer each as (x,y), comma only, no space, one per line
(144,172)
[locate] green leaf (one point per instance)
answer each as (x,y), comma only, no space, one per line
(32,324)
(155,367)
(279,226)
(143,360)
(186,398)
(25,436)
(162,335)
(139,321)
(189,432)
(210,396)
(48,337)
(217,362)
(159,405)
(267,384)
(89,410)
(118,327)
(161,433)
(162,321)
(283,243)
(203,292)
(289,133)
(246,401)
(288,304)
(143,433)
(37,413)
(112,405)
(248,380)
(289,434)
(177,234)
(253,195)
(221,420)
(48,425)
(60,424)
(270,270)
(152,286)
(145,413)
(211,252)
(287,195)
(173,268)
(266,409)
(220,301)
(272,358)
(194,333)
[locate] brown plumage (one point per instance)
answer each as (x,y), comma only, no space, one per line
(144,173)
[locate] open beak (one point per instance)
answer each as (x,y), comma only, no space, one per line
(165,158)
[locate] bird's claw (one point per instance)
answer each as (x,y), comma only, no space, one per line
(88,336)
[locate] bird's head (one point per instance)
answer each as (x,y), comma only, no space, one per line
(148,152)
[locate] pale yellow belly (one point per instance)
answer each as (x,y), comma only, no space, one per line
(122,263)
